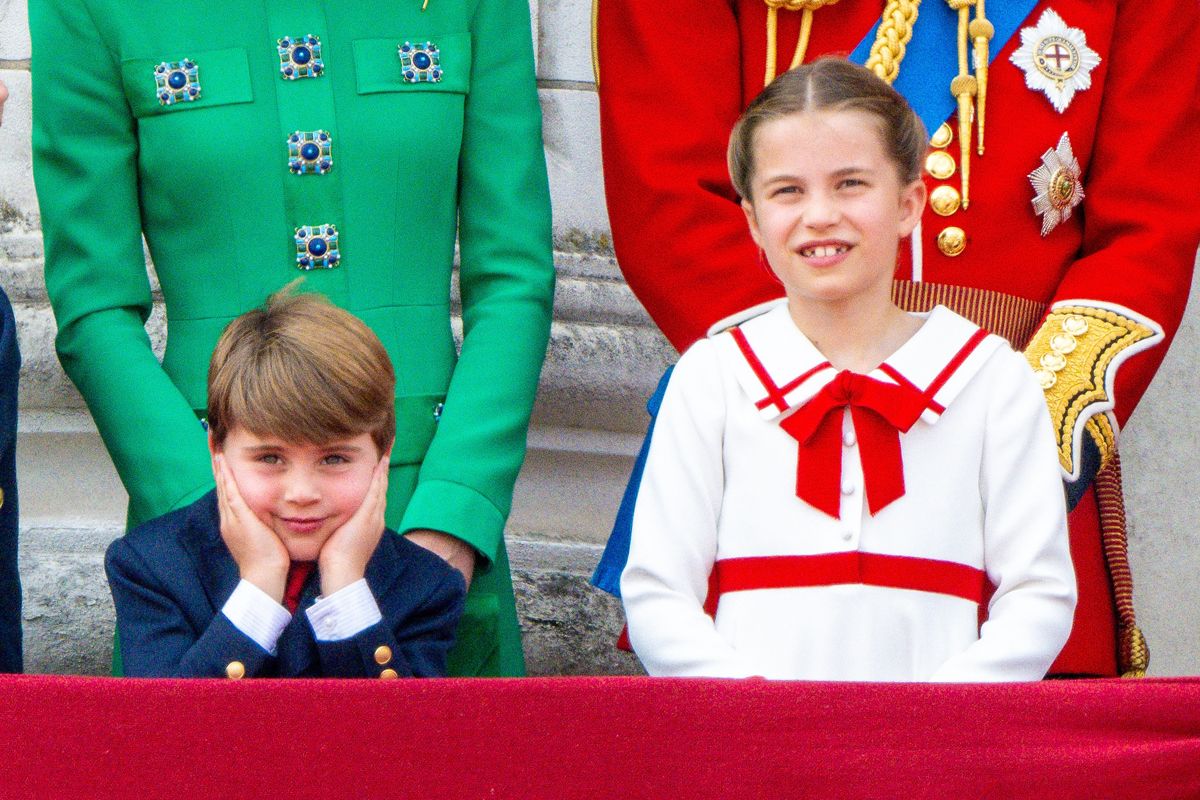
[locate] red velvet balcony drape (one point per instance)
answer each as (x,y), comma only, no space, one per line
(596,738)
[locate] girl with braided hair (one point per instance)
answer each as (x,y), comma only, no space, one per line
(834,480)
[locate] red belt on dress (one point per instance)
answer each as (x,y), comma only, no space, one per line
(831,569)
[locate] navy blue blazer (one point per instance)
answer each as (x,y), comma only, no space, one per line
(171,576)
(10,579)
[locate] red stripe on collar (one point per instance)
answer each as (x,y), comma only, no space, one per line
(775,394)
(942,377)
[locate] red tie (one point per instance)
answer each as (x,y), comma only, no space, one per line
(879,411)
(298,574)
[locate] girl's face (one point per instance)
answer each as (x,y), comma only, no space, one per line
(828,207)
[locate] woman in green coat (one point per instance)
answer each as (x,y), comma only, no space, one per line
(251,142)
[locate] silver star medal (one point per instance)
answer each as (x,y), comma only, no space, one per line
(1056,59)
(1057,185)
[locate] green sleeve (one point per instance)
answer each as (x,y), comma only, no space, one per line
(85,165)
(507,280)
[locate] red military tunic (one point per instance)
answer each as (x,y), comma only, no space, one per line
(675,75)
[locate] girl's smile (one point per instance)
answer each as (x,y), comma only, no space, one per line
(826,253)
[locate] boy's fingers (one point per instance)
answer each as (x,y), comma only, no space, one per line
(222,490)
(233,495)
(376,499)
(382,480)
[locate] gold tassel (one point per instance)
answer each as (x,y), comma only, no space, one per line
(981,32)
(964,89)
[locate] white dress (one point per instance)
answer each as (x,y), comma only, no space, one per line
(982,491)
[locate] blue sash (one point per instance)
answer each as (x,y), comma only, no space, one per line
(931,60)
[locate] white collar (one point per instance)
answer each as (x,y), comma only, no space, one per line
(939,360)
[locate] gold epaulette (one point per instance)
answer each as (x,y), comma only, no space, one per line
(1073,354)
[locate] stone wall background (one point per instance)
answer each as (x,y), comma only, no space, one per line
(604,359)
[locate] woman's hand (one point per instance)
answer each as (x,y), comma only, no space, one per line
(259,553)
(344,556)
(453,551)
(3,97)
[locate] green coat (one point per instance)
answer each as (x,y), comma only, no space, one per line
(207,181)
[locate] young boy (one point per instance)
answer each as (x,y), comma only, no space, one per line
(301,424)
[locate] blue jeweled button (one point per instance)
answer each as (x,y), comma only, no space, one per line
(419,63)
(176,81)
(300,57)
(317,247)
(310,152)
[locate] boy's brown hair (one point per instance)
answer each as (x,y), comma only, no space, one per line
(830,84)
(304,370)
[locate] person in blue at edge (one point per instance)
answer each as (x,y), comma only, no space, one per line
(11,659)
(10,580)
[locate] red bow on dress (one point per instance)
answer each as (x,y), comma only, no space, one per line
(879,411)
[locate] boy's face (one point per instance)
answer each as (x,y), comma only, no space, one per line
(303,492)
(829,208)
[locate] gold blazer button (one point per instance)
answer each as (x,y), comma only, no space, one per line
(383,654)
(389,675)
(952,241)
(943,135)
(235,670)
(940,165)
(945,200)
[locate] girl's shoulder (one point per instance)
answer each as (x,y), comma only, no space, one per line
(972,362)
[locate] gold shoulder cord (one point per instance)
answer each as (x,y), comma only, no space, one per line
(894,33)
(805,6)
(595,46)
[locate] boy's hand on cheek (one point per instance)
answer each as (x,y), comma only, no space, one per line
(344,556)
(259,553)
(454,551)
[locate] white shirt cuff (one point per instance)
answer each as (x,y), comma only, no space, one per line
(344,613)
(253,612)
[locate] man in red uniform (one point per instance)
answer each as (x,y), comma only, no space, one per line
(1061,214)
